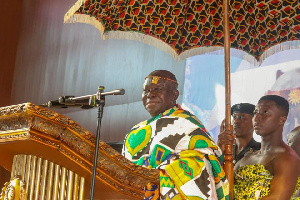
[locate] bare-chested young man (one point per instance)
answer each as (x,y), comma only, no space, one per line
(272,172)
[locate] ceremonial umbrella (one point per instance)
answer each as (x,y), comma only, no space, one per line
(190,27)
(184,28)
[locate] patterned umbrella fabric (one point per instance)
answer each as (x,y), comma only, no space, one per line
(184,28)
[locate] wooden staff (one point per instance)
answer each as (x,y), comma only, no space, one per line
(228,155)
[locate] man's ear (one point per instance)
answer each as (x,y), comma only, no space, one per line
(175,94)
(282,120)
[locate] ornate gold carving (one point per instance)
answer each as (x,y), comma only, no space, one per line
(47,127)
(9,110)
(15,189)
(14,122)
(44,126)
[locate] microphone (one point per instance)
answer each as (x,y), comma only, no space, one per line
(120,91)
(72,99)
(85,102)
(68,100)
(56,104)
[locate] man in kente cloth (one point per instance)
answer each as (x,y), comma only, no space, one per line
(242,137)
(174,141)
(271,172)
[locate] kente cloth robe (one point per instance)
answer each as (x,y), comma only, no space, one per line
(176,143)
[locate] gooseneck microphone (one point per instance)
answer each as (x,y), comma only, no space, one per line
(85,102)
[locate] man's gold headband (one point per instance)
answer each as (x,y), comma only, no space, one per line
(155,79)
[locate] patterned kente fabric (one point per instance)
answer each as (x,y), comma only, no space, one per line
(255,25)
(252,182)
(177,143)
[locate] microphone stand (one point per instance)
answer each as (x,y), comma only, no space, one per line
(100,104)
(95,100)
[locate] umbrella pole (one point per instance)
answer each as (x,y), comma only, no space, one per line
(228,155)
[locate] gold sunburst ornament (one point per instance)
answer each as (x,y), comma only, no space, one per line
(14,190)
(294,96)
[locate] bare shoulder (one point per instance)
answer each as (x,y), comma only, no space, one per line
(288,156)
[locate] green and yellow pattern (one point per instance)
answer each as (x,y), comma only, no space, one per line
(178,144)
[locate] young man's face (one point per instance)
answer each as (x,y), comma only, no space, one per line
(158,97)
(242,124)
(267,117)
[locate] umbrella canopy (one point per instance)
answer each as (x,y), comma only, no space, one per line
(184,28)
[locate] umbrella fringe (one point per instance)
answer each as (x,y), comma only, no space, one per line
(215,50)
(141,37)
(218,50)
(70,14)
(294,44)
(79,18)
(70,17)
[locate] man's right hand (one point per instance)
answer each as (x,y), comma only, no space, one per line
(225,137)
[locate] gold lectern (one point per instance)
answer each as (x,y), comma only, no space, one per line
(53,157)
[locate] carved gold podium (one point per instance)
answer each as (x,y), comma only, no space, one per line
(53,156)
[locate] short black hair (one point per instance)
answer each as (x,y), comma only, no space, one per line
(281,102)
